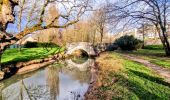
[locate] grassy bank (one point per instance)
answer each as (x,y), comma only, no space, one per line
(153,53)
(120,78)
(27,54)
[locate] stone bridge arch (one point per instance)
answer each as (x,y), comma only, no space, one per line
(87,47)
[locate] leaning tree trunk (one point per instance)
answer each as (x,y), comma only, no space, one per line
(165,42)
(6,16)
(163,38)
(166,45)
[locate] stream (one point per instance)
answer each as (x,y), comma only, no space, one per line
(67,80)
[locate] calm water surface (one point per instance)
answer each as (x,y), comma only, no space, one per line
(67,81)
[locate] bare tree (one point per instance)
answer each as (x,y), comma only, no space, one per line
(100,20)
(70,13)
(83,31)
(21,8)
(155,12)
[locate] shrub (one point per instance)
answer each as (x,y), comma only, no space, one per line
(38,44)
(128,43)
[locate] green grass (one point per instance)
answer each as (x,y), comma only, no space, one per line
(154,47)
(27,54)
(153,53)
(135,82)
(148,52)
(144,83)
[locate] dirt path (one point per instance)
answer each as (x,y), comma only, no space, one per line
(164,72)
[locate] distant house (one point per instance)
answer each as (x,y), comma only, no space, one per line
(147,33)
(23,41)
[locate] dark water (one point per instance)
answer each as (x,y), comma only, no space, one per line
(67,81)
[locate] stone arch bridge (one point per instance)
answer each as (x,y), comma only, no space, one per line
(87,47)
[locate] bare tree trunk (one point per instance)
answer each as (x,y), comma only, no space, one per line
(101,39)
(101,35)
(94,38)
(143,36)
(166,42)
(20,43)
(166,46)
(19,21)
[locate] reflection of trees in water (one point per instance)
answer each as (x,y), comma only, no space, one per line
(74,69)
(76,95)
(1,87)
(76,74)
(34,92)
(53,81)
(0,96)
(22,92)
(16,79)
(8,93)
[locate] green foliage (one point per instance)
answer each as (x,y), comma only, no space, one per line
(38,44)
(128,43)
(26,54)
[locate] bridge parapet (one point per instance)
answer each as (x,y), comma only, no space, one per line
(79,43)
(87,47)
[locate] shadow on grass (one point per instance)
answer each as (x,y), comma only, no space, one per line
(138,89)
(150,78)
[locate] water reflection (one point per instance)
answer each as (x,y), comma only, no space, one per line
(51,83)
(83,66)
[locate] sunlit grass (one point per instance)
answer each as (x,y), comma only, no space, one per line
(144,82)
(153,53)
(134,82)
(156,56)
(27,54)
